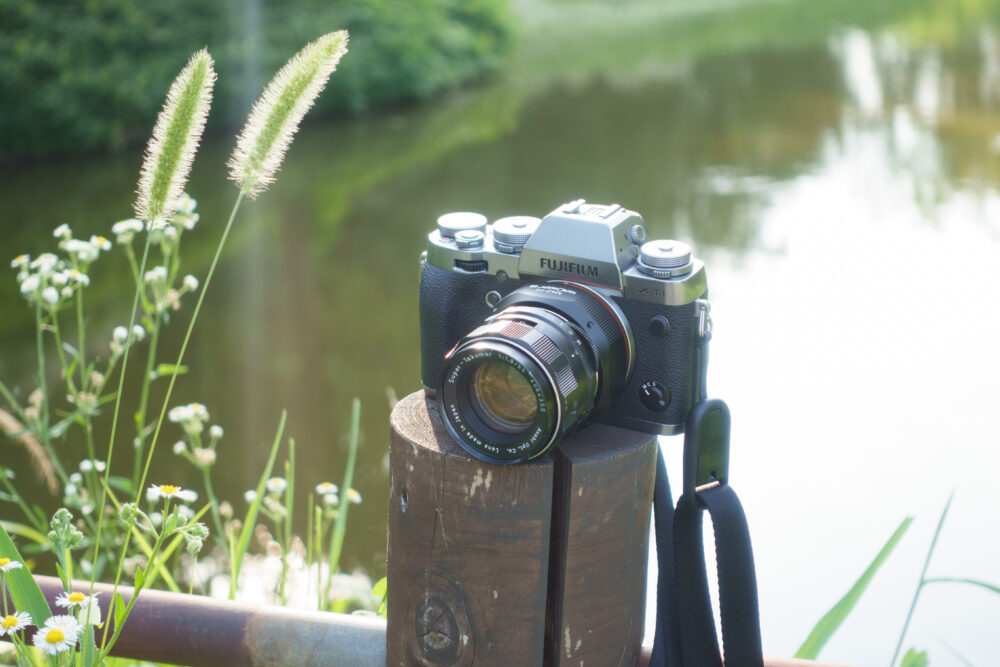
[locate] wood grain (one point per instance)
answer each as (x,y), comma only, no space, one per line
(528,564)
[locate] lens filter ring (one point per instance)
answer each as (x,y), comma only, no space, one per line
(499,402)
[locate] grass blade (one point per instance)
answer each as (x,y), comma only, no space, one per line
(961,580)
(25,593)
(833,619)
(340,527)
(251,519)
(923,578)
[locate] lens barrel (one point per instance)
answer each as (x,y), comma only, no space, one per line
(553,354)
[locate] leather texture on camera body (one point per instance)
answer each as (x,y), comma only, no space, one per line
(452,304)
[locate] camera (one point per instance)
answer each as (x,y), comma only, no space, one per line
(531,328)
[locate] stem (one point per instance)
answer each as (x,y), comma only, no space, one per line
(81,338)
(43,412)
(111,447)
(40,526)
(163,410)
(12,401)
(337,541)
(923,579)
(289,506)
(187,338)
(140,421)
(213,502)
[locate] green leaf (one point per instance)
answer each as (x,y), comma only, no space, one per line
(914,658)
(25,593)
(168,369)
(140,577)
(21,530)
(60,427)
(123,484)
(119,611)
(379,592)
(833,619)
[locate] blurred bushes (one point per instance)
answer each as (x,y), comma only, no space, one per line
(91,74)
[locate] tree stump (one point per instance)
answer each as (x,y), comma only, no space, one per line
(516,565)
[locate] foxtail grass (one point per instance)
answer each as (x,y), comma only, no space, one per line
(175,140)
(277,113)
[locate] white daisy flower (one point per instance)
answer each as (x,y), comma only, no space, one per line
(249,495)
(179,447)
(216,431)
(331,499)
(120,334)
(62,231)
(156,274)
(190,282)
(87,465)
(187,495)
(100,243)
(83,251)
(158,491)
(45,262)
(138,333)
(185,203)
(15,622)
(179,414)
(6,564)
(75,599)
(19,261)
(60,278)
(353,496)
(67,292)
(324,488)
(59,634)
(276,485)
(125,230)
(30,284)
(204,456)
(50,295)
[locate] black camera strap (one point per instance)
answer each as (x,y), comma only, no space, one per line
(685,627)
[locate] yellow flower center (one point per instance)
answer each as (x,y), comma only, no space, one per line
(77,597)
(8,622)
(4,561)
(54,636)
(169,488)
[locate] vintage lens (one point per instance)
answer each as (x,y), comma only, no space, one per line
(503,397)
(535,371)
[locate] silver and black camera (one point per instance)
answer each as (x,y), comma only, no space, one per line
(532,328)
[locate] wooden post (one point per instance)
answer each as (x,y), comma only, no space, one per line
(530,564)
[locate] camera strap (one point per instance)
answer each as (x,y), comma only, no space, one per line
(685,627)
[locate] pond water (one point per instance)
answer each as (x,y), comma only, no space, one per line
(841,186)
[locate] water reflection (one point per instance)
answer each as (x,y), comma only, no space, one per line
(843,194)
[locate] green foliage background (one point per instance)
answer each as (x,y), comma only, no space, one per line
(85,75)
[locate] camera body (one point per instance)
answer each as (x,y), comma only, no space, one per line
(473,270)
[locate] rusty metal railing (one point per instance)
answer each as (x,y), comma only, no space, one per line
(205,632)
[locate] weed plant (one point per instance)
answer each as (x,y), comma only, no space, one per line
(121,527)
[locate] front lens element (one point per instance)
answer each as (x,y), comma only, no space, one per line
(503,397)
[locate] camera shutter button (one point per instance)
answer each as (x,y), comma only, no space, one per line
(469,238)
(654,396)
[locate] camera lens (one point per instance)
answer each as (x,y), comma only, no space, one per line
(551,356)
(503,397)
